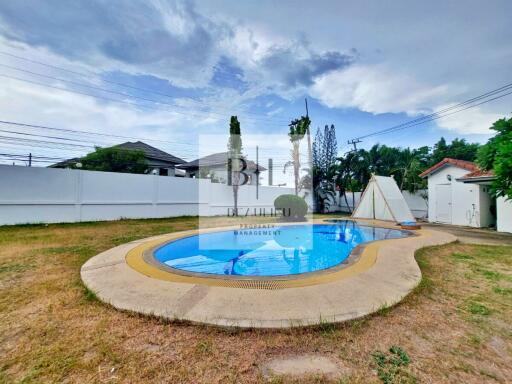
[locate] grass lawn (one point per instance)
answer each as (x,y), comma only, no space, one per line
(455,328)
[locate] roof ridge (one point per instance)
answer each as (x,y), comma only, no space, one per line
(464,164)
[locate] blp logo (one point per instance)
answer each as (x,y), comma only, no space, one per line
(236,168)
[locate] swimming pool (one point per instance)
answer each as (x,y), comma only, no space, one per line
(270,250)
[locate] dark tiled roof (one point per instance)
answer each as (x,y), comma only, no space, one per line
(220,158)
(468,165)
(150,152)
(65,163)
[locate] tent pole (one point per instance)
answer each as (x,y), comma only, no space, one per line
(373,202)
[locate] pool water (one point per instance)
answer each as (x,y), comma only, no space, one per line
(270,250)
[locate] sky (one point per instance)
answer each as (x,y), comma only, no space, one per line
(171,72)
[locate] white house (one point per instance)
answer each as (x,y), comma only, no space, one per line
(453,200)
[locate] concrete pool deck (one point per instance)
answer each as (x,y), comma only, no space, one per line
(384,274)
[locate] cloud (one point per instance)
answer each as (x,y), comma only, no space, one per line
(285,67)
(378,90)
(168,40)
(78,112)
(296,65)
(407,60)
(472,121)
(232,53)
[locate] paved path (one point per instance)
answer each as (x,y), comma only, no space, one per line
(384,274)
(473,235)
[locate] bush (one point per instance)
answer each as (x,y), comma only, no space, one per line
(293,208)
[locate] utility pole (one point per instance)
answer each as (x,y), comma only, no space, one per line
(354,142)
(30,159)
(307,111)
(270,172)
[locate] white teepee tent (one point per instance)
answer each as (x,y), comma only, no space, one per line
(382,200)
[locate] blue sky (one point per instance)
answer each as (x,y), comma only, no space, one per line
(364,66)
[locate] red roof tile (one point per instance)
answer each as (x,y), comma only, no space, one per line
(468,165)
(478,173)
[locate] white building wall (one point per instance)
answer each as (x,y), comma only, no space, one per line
(466,198)
(48,195)
(504,213)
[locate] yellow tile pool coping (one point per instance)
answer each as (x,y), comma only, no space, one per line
(136,260)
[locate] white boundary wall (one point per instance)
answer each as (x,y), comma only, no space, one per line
(415,201)
(47,195)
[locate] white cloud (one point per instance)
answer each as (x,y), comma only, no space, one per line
(376,90)
(401,67)
(78,112)
(471,121)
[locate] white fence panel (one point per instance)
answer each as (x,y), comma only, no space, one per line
(417,204)
(43,195)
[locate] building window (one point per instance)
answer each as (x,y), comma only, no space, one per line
(164,172)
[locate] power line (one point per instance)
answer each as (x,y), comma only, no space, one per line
(75,131)
(69,142)
(441,113)
(218,70)
(36,135)
(263,117)
(114,100)
(125,94)
(447,114)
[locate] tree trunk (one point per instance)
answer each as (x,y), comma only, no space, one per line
(346,201)
(296,165)
(310,151)
(235,181)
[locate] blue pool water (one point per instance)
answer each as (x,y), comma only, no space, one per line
(270,250)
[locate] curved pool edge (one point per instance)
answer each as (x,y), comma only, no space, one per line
(384,274)
(141,259)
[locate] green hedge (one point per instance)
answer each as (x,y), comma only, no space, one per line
(293,208)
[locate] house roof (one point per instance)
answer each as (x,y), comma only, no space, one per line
(467,165)
(220,158)
(66,163)
(477,176)
(478,173)
(150,152)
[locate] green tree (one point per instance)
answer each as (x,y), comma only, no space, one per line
(234,158)
(115,159)
(458,149)
(496,155)
(325,150)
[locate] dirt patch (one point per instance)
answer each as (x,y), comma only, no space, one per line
(303,365)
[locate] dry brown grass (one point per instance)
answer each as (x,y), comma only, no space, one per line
(456,328)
